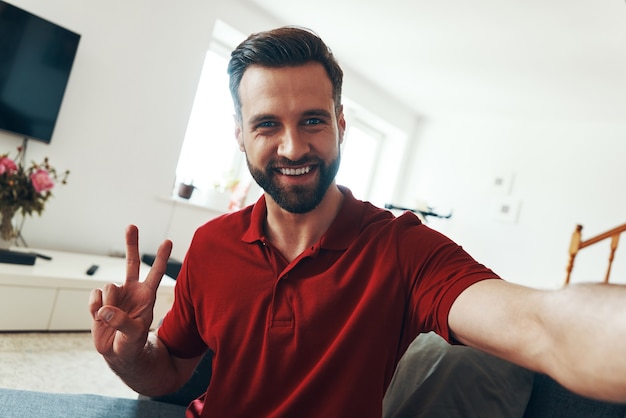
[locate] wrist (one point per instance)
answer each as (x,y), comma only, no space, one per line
(131,358)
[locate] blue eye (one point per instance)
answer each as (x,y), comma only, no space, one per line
(313,121)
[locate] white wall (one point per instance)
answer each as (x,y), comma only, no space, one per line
(563,173)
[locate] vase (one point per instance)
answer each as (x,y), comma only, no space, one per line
(185,190)
(8,231)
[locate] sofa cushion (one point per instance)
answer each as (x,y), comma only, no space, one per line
(24,403)
(436,379)
(551,400)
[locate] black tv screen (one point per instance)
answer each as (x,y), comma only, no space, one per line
(36,57)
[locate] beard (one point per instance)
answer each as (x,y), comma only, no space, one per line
(296,199)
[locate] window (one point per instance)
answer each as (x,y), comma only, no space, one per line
(359,152)
(209,156)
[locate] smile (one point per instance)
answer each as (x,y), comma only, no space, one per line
(295,171)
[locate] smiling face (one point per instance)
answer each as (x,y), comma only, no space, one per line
(290,133)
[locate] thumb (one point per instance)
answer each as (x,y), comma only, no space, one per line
(106,314)
(119,320)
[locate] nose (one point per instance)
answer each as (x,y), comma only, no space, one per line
(293,145)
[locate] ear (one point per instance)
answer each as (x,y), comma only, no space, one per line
(239,133)
(341,125)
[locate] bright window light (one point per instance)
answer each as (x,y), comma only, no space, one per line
(210,157)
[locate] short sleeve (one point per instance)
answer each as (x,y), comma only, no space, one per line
(438,270)
(178,330)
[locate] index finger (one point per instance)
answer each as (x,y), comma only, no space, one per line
(133,262)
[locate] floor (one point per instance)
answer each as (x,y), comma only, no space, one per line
(57,362)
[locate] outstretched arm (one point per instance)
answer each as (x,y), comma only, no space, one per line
(577,334)
(121,326)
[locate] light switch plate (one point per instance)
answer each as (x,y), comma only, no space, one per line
(502,184)
(506,209)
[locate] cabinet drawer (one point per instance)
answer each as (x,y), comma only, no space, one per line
(25,308)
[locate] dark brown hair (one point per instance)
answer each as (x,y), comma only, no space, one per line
(283,47)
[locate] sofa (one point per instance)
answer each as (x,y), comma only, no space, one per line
(548,399)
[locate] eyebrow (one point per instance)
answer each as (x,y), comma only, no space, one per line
(264,117)
(260,118)
(317,112)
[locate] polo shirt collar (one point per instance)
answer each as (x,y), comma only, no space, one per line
(338,236)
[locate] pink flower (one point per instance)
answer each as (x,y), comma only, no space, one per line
(41,180)
(7,165)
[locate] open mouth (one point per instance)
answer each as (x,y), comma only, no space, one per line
(295,171)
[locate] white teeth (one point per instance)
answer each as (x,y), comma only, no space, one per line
(295,171)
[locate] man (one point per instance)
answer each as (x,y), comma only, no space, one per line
(309,298)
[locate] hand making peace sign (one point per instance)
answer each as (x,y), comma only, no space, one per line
(122,314)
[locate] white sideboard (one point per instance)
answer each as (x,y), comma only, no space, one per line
(53,295)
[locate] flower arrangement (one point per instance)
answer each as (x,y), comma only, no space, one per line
(24,189)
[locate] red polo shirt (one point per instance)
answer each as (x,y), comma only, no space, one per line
(320,336)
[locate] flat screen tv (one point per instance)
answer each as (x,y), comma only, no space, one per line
(36,57)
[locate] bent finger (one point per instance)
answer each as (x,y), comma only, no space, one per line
(95,302)
(110,294)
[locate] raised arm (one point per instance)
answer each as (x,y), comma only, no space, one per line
(577,335)
(122,316)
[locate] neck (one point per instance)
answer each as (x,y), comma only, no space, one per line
(293,233)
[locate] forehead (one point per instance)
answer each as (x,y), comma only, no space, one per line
(269,90)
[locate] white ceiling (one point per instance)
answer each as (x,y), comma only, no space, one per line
(511,58)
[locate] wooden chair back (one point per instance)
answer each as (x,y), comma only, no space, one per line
(577,244)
